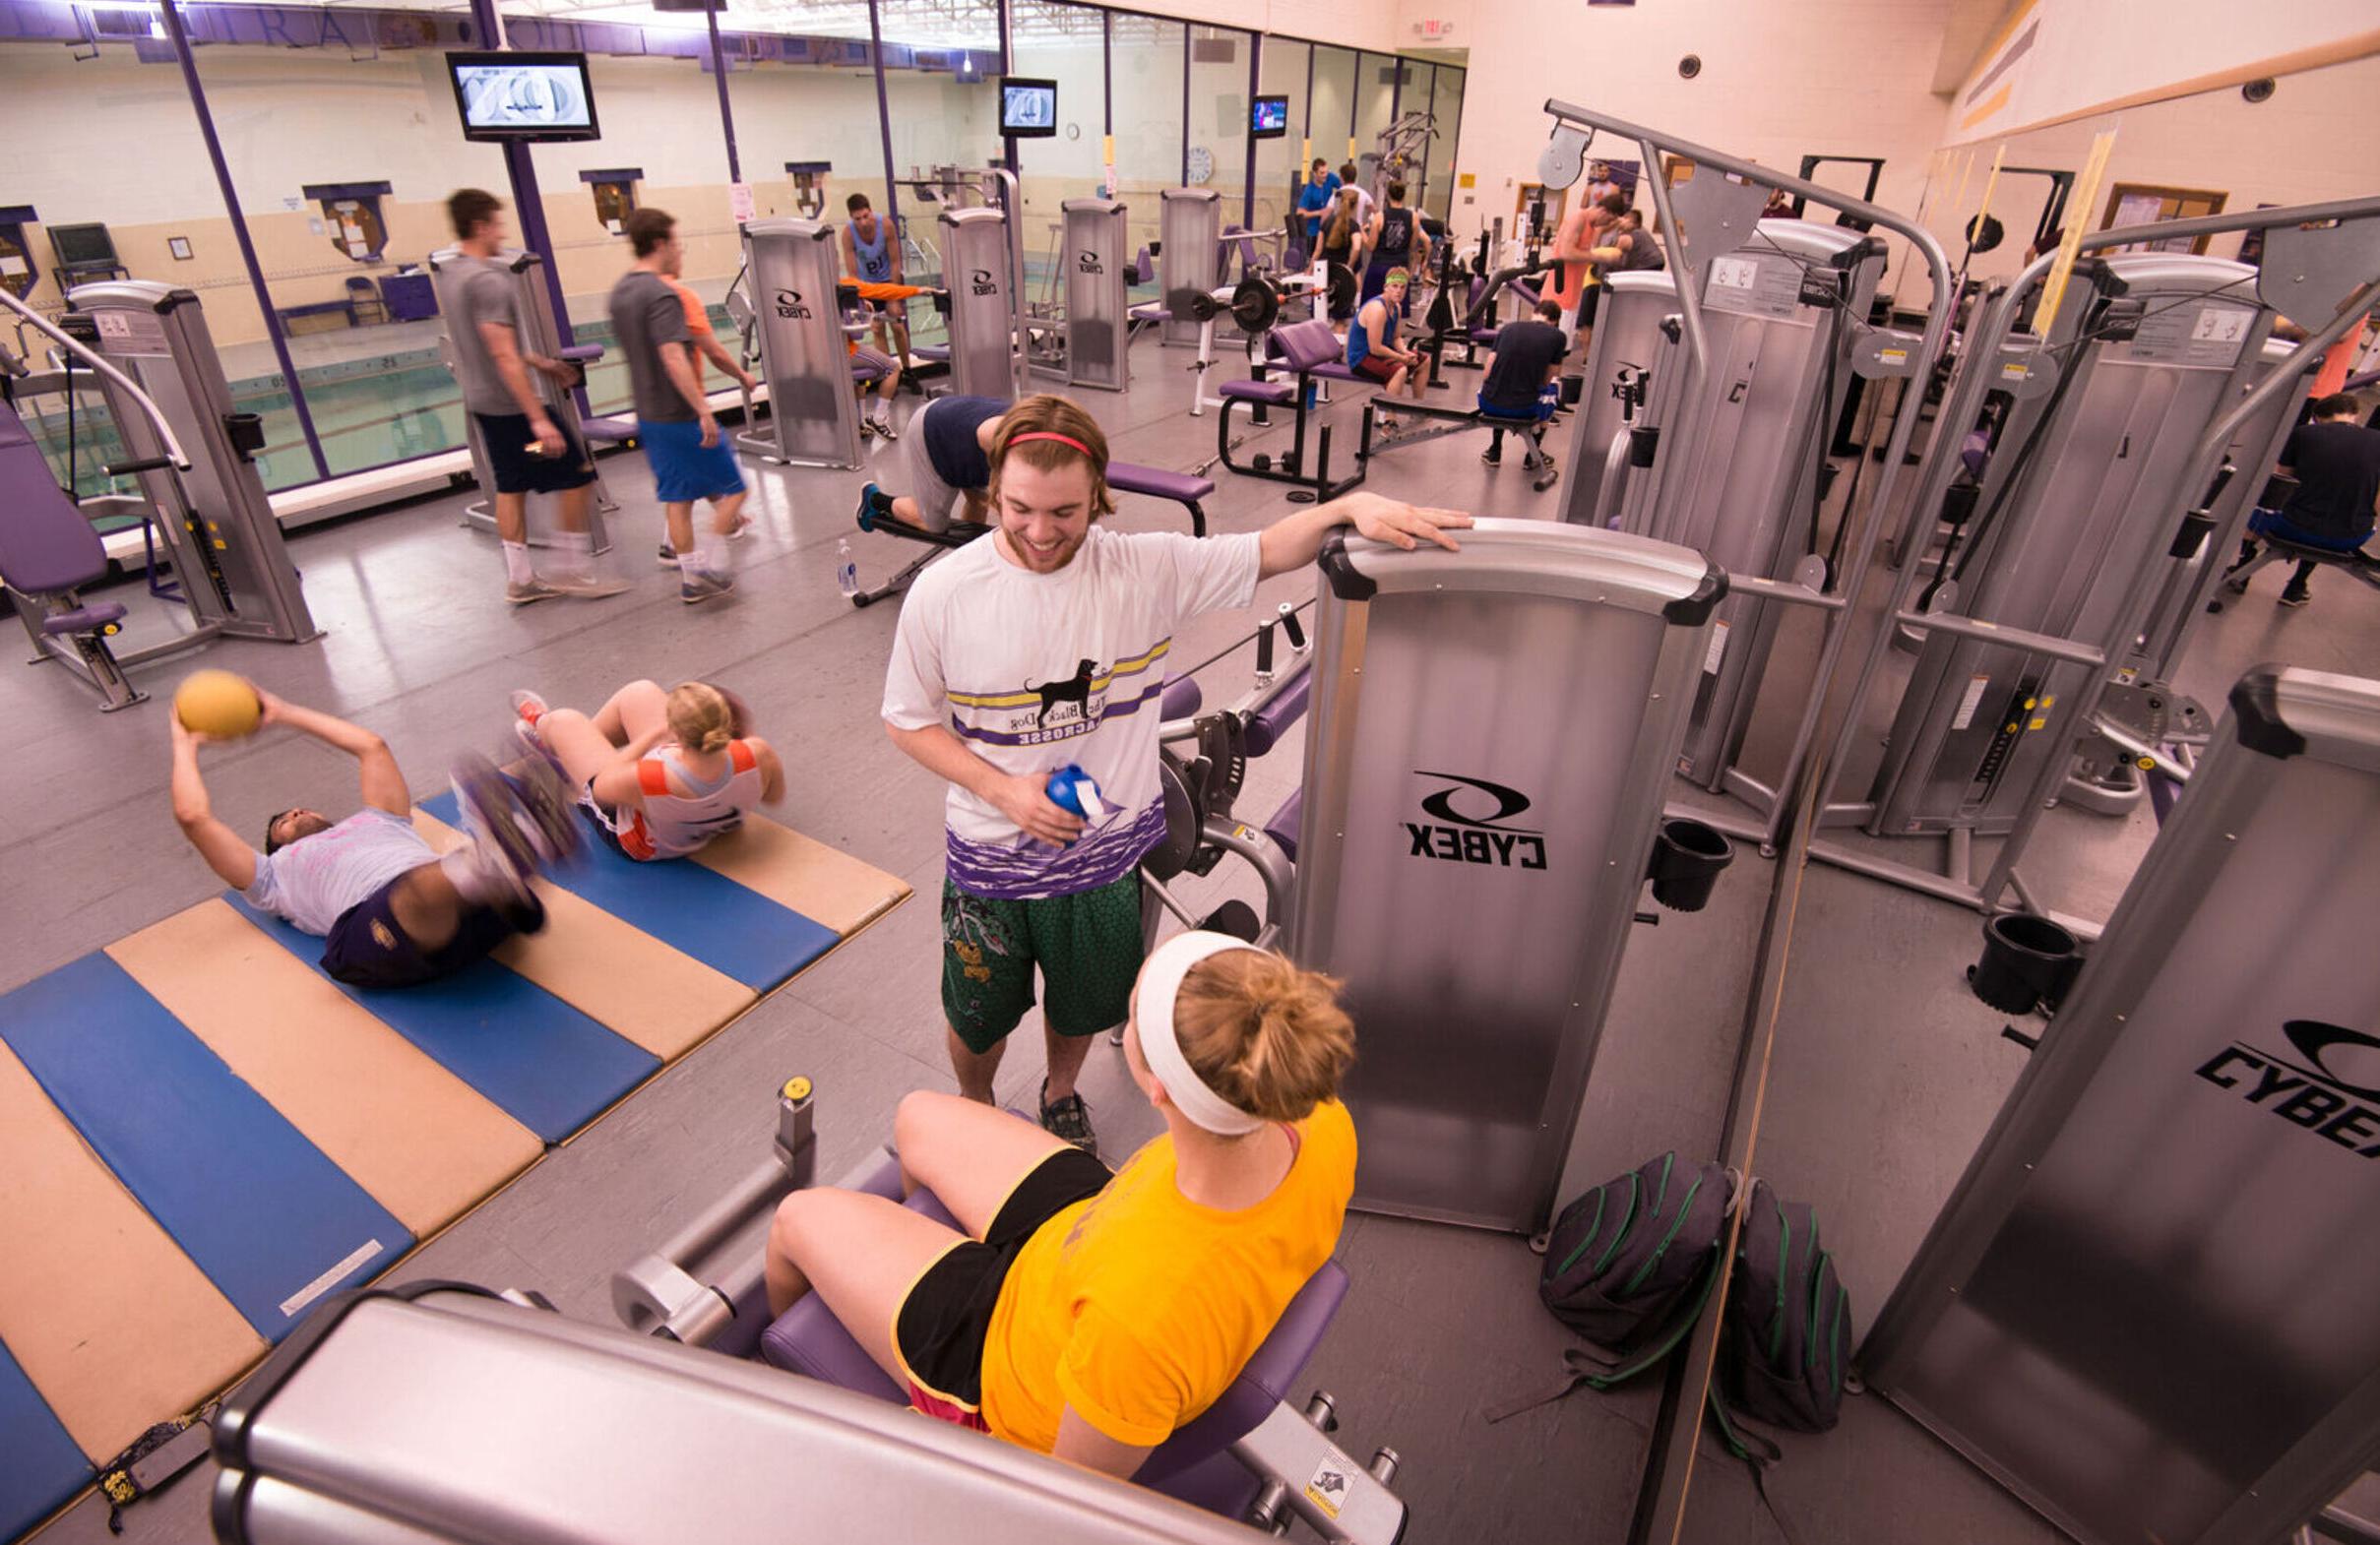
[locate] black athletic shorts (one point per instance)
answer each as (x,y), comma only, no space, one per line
(1587,305)
(519,470)
(366,949)
(940,1329)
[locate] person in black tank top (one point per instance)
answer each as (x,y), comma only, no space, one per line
(1396,240)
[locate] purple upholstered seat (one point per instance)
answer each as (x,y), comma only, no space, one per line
(1193,1465)
(608,431)
(1182,697)
(1266,727)
(1276,392)
(47,544)
(1306,346)
(1154,311)
(1283,828)
(1157,482)
(935,351)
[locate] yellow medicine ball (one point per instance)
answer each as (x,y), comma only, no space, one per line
(217,703)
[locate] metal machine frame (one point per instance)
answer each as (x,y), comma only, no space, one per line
(2181,1128)
(2321,260)
(813,415)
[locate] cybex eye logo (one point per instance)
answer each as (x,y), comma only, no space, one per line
(1471,825)
(791,305)
(1088,263)
(2322,1089)
(983,284)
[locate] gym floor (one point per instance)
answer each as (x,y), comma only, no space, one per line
(1887,1070)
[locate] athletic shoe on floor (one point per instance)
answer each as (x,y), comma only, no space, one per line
(521,592)
(667,555)
(590,586)
(1493,456)
(698,589)
(2294,596)
(528,709)
(867,428)
(1068,1120)
(873,502)
(884,427)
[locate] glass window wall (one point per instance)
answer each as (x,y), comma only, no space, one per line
(338,127)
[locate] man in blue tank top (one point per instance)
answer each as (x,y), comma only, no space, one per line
(871,253)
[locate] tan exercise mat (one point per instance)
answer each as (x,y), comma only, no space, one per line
(614,972)
(425,1144)
(824,883)
(110,1321)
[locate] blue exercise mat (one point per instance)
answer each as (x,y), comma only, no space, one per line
(737,932)
(544,1063)
(271,1220)
(40,1466)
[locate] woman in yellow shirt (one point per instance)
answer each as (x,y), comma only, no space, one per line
(1085,1312)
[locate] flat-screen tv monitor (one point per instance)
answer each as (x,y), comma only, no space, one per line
(83,247)
(1269,118)
(523,96)
(1029,109)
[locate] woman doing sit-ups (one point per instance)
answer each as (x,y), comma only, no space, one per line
(659,773)
(1091,1314)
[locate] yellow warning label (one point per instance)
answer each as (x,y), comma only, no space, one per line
(1327,1488)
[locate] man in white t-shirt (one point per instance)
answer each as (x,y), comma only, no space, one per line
(390,910)
(1041,646)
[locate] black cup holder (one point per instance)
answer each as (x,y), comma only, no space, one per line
(1687,857)
(2027,960)
(246,432)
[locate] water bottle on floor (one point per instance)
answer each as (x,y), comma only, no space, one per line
(847,569)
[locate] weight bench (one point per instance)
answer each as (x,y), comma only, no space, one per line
(48,551)
(1528,429)
(1195,1465)
(1312,352)
(1122,476)
(2353,561)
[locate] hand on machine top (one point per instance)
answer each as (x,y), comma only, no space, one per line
(1392,521)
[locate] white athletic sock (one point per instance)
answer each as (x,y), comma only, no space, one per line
(577,552)
(715,552)
(690,563)
(517,567)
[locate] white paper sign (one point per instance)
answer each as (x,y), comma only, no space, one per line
(740,200)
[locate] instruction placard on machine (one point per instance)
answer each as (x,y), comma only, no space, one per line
(1754,286)
(2206,337)
(131,332)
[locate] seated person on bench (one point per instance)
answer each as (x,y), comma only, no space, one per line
(1091,1314)
(1528,360)
(392,912)
(949,457)
(659,773)
(1372,344)
(2336,461)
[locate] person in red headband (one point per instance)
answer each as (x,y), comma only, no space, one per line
(1041,646)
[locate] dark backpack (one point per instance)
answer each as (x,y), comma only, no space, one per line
(1789,1332)
(1629,1266)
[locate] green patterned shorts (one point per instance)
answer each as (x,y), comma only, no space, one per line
(1087,946)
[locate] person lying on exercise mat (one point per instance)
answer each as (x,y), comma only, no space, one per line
(391,911)
(659,773)
(1372,348)
(1086,1313)
(949,462)
(1520,376)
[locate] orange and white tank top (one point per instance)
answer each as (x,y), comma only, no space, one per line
(673,824)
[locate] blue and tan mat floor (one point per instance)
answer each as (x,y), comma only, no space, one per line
(202,1136)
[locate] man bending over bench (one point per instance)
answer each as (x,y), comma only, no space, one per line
(949,461)
(391,911)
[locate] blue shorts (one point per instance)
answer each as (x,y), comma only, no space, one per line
(685,469)
(2271,523)
(366,949)
(1535,412)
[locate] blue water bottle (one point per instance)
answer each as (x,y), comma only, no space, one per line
(1072,790)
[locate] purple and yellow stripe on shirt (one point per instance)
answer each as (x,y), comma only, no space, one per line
(1025,868)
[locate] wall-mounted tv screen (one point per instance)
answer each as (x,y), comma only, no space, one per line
(1269,118)
(1029,109)
(523,96)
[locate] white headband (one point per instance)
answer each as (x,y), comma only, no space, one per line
(1160,980)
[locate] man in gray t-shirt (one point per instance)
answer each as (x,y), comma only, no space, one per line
(527,451)
(690,458)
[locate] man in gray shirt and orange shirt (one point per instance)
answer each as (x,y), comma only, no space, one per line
(527,450)
(690,458)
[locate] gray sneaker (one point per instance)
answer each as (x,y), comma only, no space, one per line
(591,586)
(698,589)
(1069,1121)
(523,591)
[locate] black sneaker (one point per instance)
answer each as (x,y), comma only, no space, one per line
(667,556)
(1493,456)
(1068,1120)
(2293,595)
